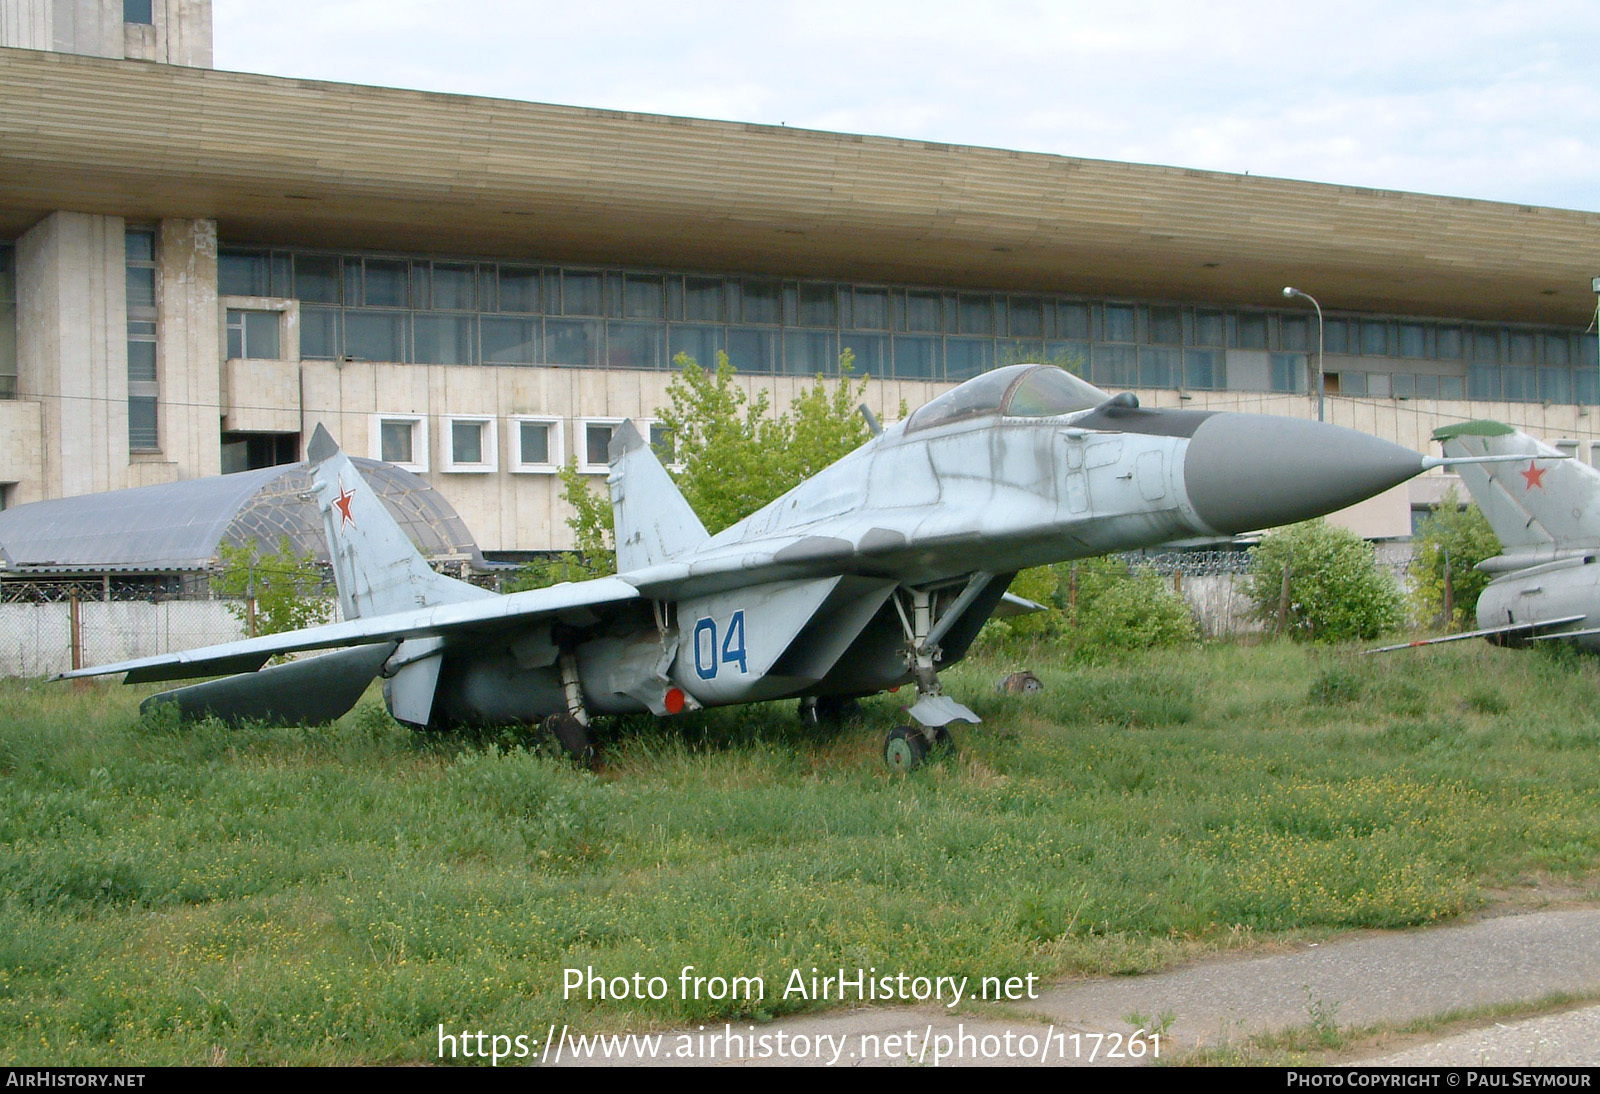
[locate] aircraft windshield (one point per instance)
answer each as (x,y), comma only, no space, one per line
(1023,391)
(1048,391)
(978,396)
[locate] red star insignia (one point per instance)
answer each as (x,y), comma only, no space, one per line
(342,503)
(1534,476)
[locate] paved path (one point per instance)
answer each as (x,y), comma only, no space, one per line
(1363,979)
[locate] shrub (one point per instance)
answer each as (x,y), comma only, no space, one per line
(1337,590)
(1120,607)
(1094,607)
(1463,537)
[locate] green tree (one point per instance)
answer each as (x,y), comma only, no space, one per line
(733,456)
(1463,537)
(826,425)
(1120,608)
(1096,607)
(1337,590)
(272,593)
(1016,353)
(729,446)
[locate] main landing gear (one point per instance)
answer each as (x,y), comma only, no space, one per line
(827,711)
(571,729)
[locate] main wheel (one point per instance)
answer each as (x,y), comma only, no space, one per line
(905,749)
(572,735)
(828,712)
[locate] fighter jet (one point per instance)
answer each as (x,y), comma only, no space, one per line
(1544,507)
(871,575)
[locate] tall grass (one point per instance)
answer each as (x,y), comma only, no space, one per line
(334,894)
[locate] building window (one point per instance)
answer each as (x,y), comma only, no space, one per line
(1119,322)
(1288,372)
(665,445)
(138,11)
(1203,369)
(1252,330)
(8,324)
(253,335)
(536,445)
(425,310)
(144,432)
(1166,326)
(401,439)
(472,444)
(594,458)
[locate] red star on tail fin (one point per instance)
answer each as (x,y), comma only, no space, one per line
(342,503)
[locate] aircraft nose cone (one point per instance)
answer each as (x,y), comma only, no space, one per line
(1249,471)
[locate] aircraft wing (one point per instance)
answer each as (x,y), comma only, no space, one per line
(1531,631)
(572,602)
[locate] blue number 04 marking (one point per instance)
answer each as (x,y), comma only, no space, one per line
(708,657)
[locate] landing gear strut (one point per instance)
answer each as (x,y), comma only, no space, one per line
(827,711)
(571,729)
(907,746)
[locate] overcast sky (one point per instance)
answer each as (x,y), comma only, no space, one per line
(1497,100)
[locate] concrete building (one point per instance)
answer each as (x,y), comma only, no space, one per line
(198,266)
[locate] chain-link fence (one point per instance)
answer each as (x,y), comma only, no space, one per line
(1216,583)
(48,627)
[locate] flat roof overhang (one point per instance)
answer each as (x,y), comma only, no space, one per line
(305,163)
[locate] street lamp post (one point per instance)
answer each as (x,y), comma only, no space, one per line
(1289,290)
(1594,283)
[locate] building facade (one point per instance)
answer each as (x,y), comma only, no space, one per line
(197,266)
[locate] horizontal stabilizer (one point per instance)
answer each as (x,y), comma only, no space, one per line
(188,670)
(308,692)
(1529,631)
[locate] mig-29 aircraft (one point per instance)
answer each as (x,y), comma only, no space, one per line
(868,576)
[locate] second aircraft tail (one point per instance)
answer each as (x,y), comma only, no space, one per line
(375,565)
(653,520)
(1547,500)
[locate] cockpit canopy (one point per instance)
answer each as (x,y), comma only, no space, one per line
(1018,391)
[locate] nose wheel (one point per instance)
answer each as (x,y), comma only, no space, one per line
(908,746)
(905,749)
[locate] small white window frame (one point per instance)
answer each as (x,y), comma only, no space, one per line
(488,435)
(581,444)
(558,445)
(419,439)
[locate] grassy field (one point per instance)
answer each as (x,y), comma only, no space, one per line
(332,895)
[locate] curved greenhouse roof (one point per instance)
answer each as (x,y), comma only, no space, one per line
(179,526)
